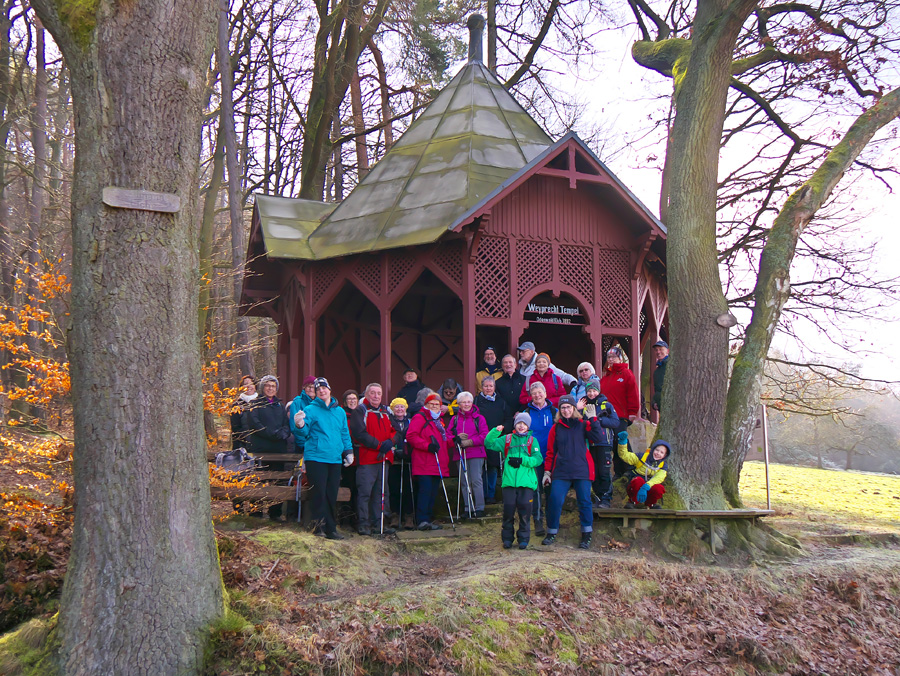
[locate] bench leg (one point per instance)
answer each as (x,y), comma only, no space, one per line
(712,535)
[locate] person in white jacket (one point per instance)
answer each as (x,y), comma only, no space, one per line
(527,358)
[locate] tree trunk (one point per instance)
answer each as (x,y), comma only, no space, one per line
(693,398)
(773,284)
(143,582)
(386,114)
(235,201)
(359,125)
(207,231)
(492,36)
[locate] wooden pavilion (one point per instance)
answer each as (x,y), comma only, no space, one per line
(475,229)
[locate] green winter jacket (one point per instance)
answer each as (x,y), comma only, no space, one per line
(526,448)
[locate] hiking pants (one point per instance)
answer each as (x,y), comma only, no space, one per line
(324,481)
(516,499)
(558,491)
(368,503)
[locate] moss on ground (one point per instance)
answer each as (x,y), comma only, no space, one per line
(29,649)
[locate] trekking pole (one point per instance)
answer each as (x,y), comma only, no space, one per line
(465,465)
(382,497)
(444,486)
(459,485)
(400,515)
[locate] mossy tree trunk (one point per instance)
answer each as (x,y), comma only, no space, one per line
(143,582)
(694,393)
(773,284)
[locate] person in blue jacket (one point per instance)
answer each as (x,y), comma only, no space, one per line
(322,428)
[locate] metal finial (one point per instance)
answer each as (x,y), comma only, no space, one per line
(476,29)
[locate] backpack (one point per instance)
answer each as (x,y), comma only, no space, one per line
(238,461)
(509,442)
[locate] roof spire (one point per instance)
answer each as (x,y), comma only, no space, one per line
(476,26)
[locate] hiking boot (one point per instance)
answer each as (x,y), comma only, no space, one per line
(585,541)
(656,506)
(409,523)
(604,504)
(507,544)
(549,540)
(334,536)
(364,531)
(425,525)
(523,545)
(630,505)
(388,531)
(479,514)
(539,528)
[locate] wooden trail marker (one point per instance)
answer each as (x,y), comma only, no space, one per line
(143,200)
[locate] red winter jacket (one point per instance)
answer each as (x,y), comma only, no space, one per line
(422,429)
(621,389)
(369,427)
(552,383)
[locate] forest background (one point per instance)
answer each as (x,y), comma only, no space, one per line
(304,89)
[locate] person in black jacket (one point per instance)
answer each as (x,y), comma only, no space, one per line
(247,399)
(411,385)
(268,425)
(602,453)
(400,472)
(493,408)
(509,385)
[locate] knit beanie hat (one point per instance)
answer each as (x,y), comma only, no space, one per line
(591,385)
(542,355)
(566,399)
(399,401)
(308,380)
(433,397)
(523,417)
(265,379)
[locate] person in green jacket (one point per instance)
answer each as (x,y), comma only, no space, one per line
(520,453)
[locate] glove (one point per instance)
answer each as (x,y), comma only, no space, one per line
(284,434)
(590,411)
(642,493)
(299,419)
(515,463)
(457,440)
(622,437)
(463,436)
(384,448)
(433,447)
(546,481)
(348,460)
(466,443)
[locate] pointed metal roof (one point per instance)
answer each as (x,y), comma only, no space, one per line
(465,144)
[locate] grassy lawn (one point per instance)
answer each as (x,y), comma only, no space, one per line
(825,499)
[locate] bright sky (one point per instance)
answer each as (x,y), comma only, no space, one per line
(622,97)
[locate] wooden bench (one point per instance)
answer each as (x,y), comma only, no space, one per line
(266,492)
(712,515)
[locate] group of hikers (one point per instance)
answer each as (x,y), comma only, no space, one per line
(532,428)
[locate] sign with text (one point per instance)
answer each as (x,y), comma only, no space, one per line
(554,312)
(142,200)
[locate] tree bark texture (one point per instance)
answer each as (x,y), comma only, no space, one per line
(6,284)
(143,582)
(773,284)
(207,231)
(696,382)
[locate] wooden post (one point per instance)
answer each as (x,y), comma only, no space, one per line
(386,352)
(468,299)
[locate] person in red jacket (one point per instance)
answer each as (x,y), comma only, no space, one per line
(427,438)
(547,377)
(371,428)
(620,387)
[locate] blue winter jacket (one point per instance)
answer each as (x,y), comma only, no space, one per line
(541,422)
(325,436)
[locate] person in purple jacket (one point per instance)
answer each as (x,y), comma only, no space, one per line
(468,429)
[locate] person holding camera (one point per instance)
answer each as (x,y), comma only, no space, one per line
(520,454)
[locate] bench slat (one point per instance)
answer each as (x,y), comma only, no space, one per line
(277,493)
